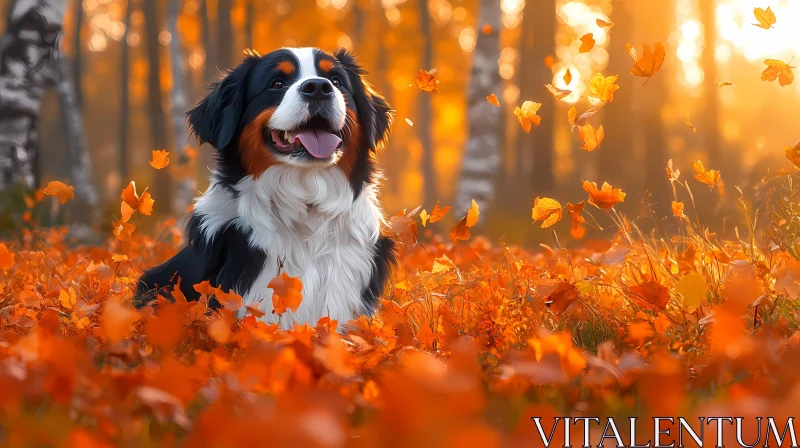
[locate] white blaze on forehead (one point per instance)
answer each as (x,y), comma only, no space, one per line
(305,57)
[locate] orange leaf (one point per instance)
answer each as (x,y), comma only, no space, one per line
(725,83)
(574,211)
(405,228)
(527,115)
(426,81)
(287,293)
(486,28)
(117,320)
(68,298)
(472,214)
(778,70)
(220,329)
(562,297)
(793,154)
(672,174)
(603,24)
(677,209)
(766,18)
(438,213)
(461,231)
(587,43)
(575,120)
(160,159)
(132,202)
(442,264)
(568,77)
(653,292)
(558,93)
(548,211)
(492,99)
(708,177)
(591,137)
(603,88)
(688,122)
(605,198)
(650,62)
(6,257)
(123,230)
(59,189)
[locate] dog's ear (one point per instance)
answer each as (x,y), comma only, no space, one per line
(374,113)
(216,117)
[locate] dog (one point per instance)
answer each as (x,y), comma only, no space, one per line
(295,189)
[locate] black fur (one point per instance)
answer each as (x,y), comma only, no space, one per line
(384,259)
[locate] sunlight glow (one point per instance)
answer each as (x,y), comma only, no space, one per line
(735,25)
(690,42)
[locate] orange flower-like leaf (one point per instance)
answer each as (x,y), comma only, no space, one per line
(606,197)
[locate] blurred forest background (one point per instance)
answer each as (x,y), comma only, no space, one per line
(129,68)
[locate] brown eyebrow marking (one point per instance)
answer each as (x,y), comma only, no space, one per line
(325,65)
(286,67)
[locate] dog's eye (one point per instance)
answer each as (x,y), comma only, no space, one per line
(336,82)
(277,84)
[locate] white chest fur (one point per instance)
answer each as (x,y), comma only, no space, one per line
(310,227)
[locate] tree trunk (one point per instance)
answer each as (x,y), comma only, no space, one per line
(615,164)
(482,154)
(711,102)
(424,109)
(125,96)
(80,166)
(158,132)
(225,57)
(205,26)
(248,23)
(77,46)
(28,49)
(180,103)
(535,149)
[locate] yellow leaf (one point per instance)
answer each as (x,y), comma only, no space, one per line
(472,214)
(692,287)
(591,137)
(766,18)
(778,70)
(587,43)
(547,210)
(527,115)
(424,217)
(688,122)
(603,88)
(706,176)
(650,62)
(442,264)
(725,83)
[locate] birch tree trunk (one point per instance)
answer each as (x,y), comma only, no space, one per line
(424,109)
(28,49)
(482,155)
(80,166)
(180,103)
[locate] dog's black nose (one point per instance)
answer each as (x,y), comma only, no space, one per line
(316,89)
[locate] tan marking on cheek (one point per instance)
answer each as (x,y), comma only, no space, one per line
(325,65)
(286,67)
(352,144)
(256,157)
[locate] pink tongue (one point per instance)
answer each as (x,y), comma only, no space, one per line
(318,143)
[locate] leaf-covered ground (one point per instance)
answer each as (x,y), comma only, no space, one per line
(472,339)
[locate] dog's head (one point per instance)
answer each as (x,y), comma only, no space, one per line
(297,106)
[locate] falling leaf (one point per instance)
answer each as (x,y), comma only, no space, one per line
(160,159)
(472,214)
(548,211)
(442,264)
(492,99)
(118,320)
(654,293)
(426,81)
(123,230)
(572,116)
(708,177)
(778,70)
(59,189)
(574,211)
(591,137)
(6,258)
(527,115)
(405,228)
(605,198)
(677,209)
(424,217)
(689,122)
(568,77)
(587,43)
(286,293)
(68,298)
(460,232)
(409,122)
(558,93)
(575,120)
(132,202)
(603,88)
(725,83)
(766,18)
(561,298)
(438,213)
(650,62)
(603,24)
(672,174)
(793,154)
(692,287)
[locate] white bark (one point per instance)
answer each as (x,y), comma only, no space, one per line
(180,103)
(28,50)
(482,155)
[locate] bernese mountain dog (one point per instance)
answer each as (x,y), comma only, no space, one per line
(294,191)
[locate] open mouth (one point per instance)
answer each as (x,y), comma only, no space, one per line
(314,138)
